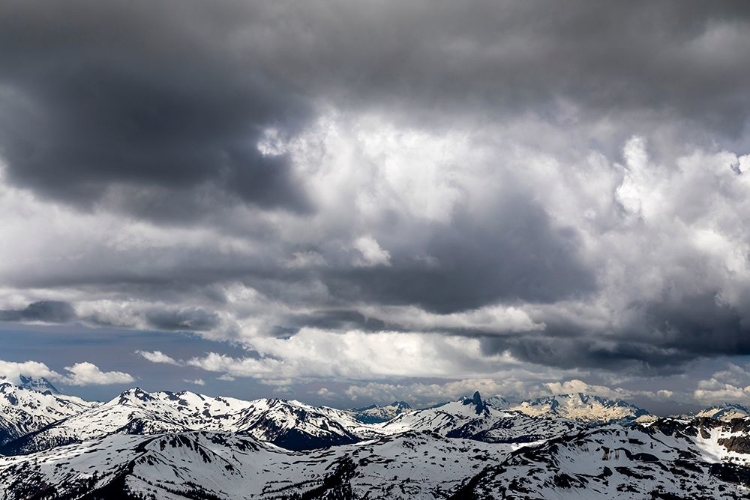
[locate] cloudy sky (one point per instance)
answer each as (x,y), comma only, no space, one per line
(349,202)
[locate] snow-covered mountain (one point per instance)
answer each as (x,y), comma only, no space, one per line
(724,411)
(580,407)
(289,424)
(230,466)
(375,414)
(668,459)
(473,418)
(167,445)
(24,410)
(40,384)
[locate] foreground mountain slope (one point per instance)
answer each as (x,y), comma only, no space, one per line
(220,465)
(669,459)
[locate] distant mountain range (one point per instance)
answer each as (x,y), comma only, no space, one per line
(580,407)
(724,412)
(375,414)
(183,445)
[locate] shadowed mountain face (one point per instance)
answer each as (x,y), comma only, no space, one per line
(183,445)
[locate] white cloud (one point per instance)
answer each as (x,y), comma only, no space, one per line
(491,319)
(730,385)
(79,374)
(90,374)
(197,381)
(158,357)
(326,393)
(575,386)
(12,370)
(358,355)
(372,254)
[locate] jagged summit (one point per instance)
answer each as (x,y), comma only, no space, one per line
(476,401)
(134,394)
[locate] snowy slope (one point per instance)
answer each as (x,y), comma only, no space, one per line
(24,410)
(668,459)
(580,407)
(220,465)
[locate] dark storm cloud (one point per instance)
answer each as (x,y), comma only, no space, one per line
(663,335)
(98,96)
(183,320)
(137,93)
(515,256)
(700,324)
(617,354)
(332,320)
(48,311)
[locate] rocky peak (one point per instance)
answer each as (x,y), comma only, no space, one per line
(40,384)
(476,401)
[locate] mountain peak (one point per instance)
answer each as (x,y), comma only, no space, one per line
(476,401)
(134,394)
(40,384)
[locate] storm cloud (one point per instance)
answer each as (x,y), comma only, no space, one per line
(555,185)
(49,311)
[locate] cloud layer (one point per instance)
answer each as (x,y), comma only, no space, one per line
(371,191)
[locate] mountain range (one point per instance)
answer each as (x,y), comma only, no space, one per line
(179,445)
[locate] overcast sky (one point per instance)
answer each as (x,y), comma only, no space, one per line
(349,202)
